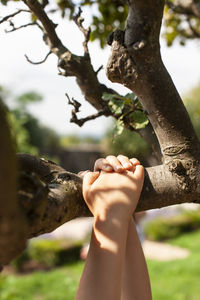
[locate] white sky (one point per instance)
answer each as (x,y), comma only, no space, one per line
(183,63)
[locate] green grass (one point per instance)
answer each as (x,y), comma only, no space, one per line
(58,284)
(178,279)
(175,280)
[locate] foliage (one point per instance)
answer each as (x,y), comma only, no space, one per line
(178,25)
(47,253)
(128,143)
(28,134)
(107,15)
(167,228)
(126,108)
(177,280)
(74,140)
(192,103)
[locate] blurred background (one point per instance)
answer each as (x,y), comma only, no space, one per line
(39,116)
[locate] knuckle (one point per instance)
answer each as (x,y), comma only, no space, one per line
(109,157)
(121,156)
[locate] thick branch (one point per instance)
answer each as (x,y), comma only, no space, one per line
(65,202)
(52,39)
(64,199)
(138,66)
(78,66)
(12,222)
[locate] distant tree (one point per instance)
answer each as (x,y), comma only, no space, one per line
(29,135)
(45,195)
(192,103)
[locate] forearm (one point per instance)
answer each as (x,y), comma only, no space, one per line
(135,279)
(102,275)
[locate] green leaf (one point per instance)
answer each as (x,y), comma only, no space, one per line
(116,103)
(131,96)
(119,127)
(4,2)
(139,119)
(29,97)
(116,106)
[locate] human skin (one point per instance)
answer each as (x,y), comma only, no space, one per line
(135,278)
(112,198)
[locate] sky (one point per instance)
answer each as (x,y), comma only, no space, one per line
(19,76)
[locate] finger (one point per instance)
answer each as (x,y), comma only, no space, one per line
(82,173)
(115,163)
(125,162)
(102,164)
(90,178)
(139,172)
(135,161)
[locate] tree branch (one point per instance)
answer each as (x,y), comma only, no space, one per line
(13,228)
(86,32)
(137,64)
(51,37)
(38,62)
(6,18)
(65,202)
(20,27)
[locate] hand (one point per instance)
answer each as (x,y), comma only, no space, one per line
(117,164)
(113,195)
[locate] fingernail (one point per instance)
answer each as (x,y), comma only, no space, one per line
(108,167)
(128,165)
(119,168)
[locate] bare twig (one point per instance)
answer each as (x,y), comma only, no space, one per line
(20,27)
(74,103)
(38,62)
(6,18)
(99,69)
(86,32)
(81,121)
(51,37)
(74,118)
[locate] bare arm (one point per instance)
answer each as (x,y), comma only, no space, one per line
(135,282)
(102,275)
(135,278)
(110,198)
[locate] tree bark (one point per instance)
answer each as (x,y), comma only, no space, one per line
(12,222)
(49,196)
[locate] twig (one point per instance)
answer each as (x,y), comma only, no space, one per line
(86,32)
(99,69)
(74,103)
(81,121)
(52,39)
(38,62)
(77,105)
(17,28)
(6,18)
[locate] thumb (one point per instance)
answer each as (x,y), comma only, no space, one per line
(88,180)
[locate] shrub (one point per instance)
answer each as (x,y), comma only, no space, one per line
(46,254)
(167,228)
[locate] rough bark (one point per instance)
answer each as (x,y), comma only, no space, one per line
(48,195)
(12,222)
(81,68)
(64,199)
(136,63)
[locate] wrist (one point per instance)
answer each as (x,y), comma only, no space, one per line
(111,227)
(110,235)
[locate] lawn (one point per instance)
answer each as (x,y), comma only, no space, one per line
(176,280)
